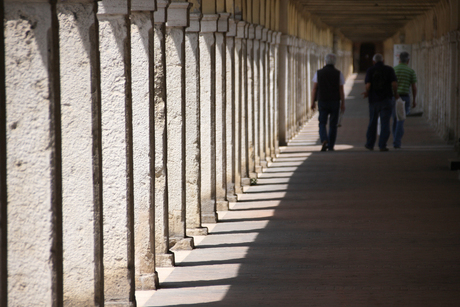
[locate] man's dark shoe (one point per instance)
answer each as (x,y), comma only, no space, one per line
(324,147)
(384,149)
(367,147)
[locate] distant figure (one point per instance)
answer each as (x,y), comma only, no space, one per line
(381,83)
(406,79)
(328,84)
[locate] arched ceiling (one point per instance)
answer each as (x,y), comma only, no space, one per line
(367,20)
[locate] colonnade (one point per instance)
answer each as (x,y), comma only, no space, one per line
(435,56)
(129,124)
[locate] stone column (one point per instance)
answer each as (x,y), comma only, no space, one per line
(272,88)
(116,112)
(244,165)
(257,96)
(143,142)
(80,115)
(3,172)
(308,79)
(238,104)
(277,93)
(231,111)
(163,257)
(249,102)
(283,88)
(266,101)
(221,113)
(33,167)
(208,117)
(192,129)
(177,20)
(263,133)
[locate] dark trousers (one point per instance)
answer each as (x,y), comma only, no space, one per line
(383,110)
(329,110)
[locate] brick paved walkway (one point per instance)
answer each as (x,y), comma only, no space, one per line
(343,228)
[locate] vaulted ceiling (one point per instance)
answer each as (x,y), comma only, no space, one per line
(367,20)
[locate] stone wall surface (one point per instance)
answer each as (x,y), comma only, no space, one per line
(158,117)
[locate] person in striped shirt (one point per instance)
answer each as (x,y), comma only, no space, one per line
(406,80)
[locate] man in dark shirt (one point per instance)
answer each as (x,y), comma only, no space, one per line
(381,83)
(328,83)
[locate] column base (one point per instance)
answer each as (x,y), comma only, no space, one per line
(245,182)
(252,175)
(181,244)
(222,205)
(165,260)
(147,282)
(259,168)
(231,198)
(263,164)
(209,218)
(238,190)
(199,231)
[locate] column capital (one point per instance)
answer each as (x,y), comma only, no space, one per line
(285,40)
(222,23)
(270,36)
(143,5)
(194,26)
(258,32)
(265,35)
(209,23)
(178,14)
(278,37)
(231,27)
(159,16)
(241,29)
(251,31)
(112,7)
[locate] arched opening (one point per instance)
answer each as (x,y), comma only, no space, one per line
(366,52)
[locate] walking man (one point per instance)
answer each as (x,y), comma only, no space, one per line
(328,83)
(406,79)
(381,83)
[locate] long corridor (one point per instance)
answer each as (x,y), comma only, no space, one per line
(344,228)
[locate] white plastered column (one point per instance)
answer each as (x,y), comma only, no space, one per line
(177,20)
(143,143)
(192,128)
(116,112)
(221,113)
(79,113)
(163,257)
(31,156)
(231,111)
(208,117)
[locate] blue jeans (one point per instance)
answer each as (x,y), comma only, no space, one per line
(398,125)
(331,110)
(383,110)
